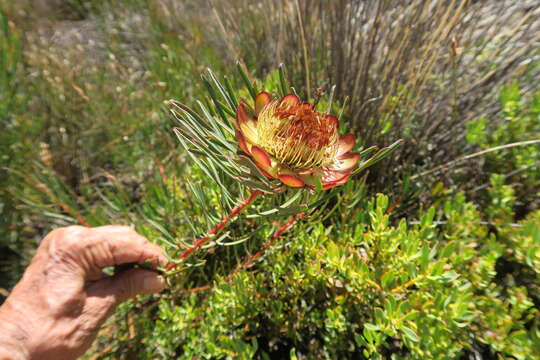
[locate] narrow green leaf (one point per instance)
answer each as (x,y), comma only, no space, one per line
(283,85)
(245,78)
(222,90)
(409,333)
(231,92)
(214,97)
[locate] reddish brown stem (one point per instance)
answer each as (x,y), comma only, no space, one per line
(216,229)
(197,289)
(249,262)
(279,231)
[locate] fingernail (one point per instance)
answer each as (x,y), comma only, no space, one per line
(153,283)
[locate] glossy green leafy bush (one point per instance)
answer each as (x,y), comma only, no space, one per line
(366,287)
(517,123)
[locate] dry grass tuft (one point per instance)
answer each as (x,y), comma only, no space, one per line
(413,69)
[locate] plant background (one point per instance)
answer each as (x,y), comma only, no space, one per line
(444,265)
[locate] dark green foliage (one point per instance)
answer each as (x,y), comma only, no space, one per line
(10,135)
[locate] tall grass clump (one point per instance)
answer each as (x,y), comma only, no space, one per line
(414,69)
(11,136)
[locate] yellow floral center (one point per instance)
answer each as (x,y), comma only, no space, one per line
(297,135)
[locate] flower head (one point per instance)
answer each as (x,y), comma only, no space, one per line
(291,141)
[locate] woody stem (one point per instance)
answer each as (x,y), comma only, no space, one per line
(279,231)
(249,261)
(215,230)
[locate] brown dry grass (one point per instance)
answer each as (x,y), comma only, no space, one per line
(413,69)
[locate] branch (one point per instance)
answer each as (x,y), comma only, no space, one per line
(249,261)
(215,230)
(480,153)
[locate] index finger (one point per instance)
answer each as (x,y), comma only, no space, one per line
(117,245)
(92,249)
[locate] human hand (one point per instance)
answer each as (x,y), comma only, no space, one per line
(57,308)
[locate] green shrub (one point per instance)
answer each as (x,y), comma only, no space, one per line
(517,123)
(361,288)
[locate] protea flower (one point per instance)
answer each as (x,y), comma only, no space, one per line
(290,141)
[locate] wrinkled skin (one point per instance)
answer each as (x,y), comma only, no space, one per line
(57,308)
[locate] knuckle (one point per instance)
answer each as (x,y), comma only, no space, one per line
(67,240)
(70,232)
(109,304)
(72,235)
(120,227)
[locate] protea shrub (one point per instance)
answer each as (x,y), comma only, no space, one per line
(267,145)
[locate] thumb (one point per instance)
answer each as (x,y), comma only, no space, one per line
(104,295)
(130,283)
(127,284)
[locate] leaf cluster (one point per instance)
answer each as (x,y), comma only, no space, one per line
(207,134)
(370,289)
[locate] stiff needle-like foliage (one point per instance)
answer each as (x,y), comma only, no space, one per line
(268,145)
